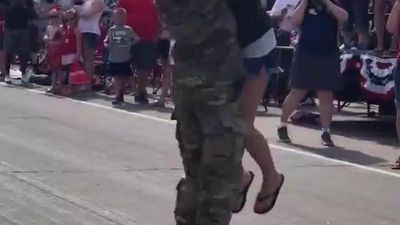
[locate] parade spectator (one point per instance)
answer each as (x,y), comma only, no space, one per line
(3,7)
(164,50)
(89,12)
(393,26)
(257,40)
(380,7)
(69,42)
(16,36)
(357,23)
(143,18)
(120,38)
(316,62)
(53,46)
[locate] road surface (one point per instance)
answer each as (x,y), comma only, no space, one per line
(68,162)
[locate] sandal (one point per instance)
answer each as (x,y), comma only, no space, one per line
(274,195)
(243,194)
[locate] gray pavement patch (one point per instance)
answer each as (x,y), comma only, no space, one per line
(117,218)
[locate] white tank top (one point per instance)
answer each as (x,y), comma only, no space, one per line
(90,24)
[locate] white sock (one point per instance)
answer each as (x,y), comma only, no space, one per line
(283,124)
(327,130)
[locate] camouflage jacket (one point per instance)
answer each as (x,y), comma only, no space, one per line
(206,51)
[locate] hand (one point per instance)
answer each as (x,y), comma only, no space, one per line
(77,57)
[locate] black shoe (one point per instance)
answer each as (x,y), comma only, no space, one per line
(117,102)
(283,135)
(141,99)
(326,140)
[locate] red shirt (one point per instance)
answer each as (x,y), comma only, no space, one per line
(68,41)
(142,17)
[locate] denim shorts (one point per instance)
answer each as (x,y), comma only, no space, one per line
(90,40)
(253,66)
(145,55)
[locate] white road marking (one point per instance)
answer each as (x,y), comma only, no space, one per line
(282,148)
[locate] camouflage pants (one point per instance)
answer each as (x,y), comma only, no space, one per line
(210,135)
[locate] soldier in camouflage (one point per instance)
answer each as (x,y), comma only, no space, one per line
(207,87)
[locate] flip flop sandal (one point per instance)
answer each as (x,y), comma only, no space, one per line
(243,194)
(273,195)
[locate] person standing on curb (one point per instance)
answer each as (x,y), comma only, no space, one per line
(89,13)
(16,37)
(144,20)
(207,84)
(316,64)
(393,26)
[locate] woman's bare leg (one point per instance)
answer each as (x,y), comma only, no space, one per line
(291,103)
(255,142)
(166,80)
(379,18)
(326,108)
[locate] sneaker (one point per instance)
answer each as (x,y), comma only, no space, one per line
(326,140)
(159,103)
(7,79)
(283,135)
(25,80)
(117,102)
(141,99)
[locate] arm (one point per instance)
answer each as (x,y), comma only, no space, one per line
(393,22)
(107,39)
(134,37)
(296,19)
(96,7)
(340,14)
(46,37)
(78,44)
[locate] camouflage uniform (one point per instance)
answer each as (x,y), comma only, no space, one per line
(207,88)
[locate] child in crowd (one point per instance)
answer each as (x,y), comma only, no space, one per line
(119,40)
(393,26)
(69,42)
(53,43)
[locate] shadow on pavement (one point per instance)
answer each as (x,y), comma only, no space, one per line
(348,155)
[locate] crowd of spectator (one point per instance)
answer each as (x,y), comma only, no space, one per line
(70,33)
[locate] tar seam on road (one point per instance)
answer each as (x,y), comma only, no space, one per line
(112,217)
(282,148)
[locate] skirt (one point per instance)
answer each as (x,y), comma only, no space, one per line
(119,69)
(316,73)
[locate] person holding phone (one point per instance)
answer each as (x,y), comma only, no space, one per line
(316,65)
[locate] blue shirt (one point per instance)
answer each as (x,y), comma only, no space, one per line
(318,35)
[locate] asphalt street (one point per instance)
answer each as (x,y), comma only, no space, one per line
(80,162)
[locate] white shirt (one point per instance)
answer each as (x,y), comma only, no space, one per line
(90,24)
(262,46)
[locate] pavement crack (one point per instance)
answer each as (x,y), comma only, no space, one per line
(89,171)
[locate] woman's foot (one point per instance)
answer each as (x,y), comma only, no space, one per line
(268,195)
(248,178)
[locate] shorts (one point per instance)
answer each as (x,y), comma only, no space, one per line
(145,55)
(119,69)
(164,48)
(358,15)
(90,41)
(17,42)
(253,66)
(397,84)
